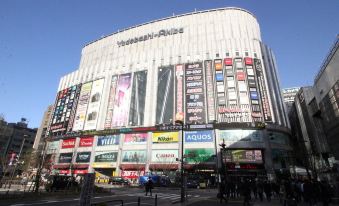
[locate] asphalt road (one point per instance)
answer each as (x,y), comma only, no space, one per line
(130,196)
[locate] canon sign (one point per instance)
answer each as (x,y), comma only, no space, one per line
(162,32)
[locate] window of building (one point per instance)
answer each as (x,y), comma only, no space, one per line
(217,55)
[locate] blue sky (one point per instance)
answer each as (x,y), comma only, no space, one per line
(40,41)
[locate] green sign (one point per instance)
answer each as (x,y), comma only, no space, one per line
(196,156)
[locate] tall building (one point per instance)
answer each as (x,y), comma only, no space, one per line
(288,96)
(41,133)
(116,113)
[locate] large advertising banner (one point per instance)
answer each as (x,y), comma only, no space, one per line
(197,156)
(65,157)
(110,106)
(108,140)
(135,156)
(64,109)
(138,98)
(83,157)
(86,142)
(132,174)
(243,156)
(263,91)
(80,114)
(137,138)
(68,143)
(94,105)
(106,156)
(198,136)
(165,137)
(236,135)
(179,92)
(195,94)
(209,91)
(165,156)
(165,95)
(122,100)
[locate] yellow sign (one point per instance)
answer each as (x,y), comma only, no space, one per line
(103,165)
(165,137)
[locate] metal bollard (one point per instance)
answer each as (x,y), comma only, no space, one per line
(156,200)
(138,201)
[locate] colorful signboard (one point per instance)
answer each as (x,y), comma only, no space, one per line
(110,105)
(198,156)
(106,156)
(165,137)
(195,93)
(236,135)
(209,91)
(132,174)
(199,136)
(108,140)
(122,100)
(135,156)
(80,114)
(137,138)
(94,105)
(86,142)
(243,156)
(83,157)
(65,157)
(68,143)
(52,147)
(164,156)
(179,111)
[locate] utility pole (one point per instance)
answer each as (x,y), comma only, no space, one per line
(40,166)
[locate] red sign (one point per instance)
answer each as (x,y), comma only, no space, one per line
(68,143)
(86,142)
(248,61)
(64,171)
(228,61)
(241,76)
(80,171)
(132,174)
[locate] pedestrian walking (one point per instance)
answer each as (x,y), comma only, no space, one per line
(268,190)
(149,186)
(260,190)
(222,193)
(246,192)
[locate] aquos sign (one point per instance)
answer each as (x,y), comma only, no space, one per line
(162,32)
(199,136)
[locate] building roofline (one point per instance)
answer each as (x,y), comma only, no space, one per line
(328,58)
(171,17)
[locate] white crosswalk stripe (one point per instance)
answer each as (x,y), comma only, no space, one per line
(165,196)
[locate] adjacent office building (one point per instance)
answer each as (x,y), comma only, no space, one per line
(116,114)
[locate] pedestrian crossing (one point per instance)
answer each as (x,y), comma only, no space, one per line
(161,196)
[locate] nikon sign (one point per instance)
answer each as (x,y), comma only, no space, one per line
(162,32)
(165,137)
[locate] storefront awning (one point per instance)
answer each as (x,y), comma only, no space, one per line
(163,166)
(132,166)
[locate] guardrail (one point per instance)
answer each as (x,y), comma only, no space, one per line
(108,201)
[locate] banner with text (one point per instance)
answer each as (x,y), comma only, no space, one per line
(108,140)
(165,156)
(135,156)
(165,137)
(198,156)
(199,136)
(137,138)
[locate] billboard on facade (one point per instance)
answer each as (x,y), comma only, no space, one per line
(122,100)
(64,109)
(94,105)
(179,92)
(263,91)
(68,143)
(243,156)
(108,140)
(165,137)
(236,135)
(137,138)
(199,136)
(134,156)
(83,157)
(81,110)
(195,93)
(52,147)
(209,91)
(65,157)
(198,156)
(138,98)
(106,156)
(165,95)
(86,142)
(164,156)
(110,105)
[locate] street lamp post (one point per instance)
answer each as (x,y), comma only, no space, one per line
(182,197)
